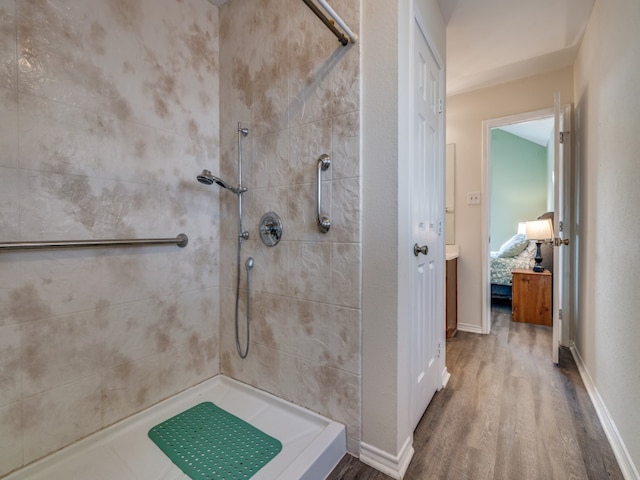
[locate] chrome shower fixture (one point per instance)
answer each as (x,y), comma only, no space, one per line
(208,179)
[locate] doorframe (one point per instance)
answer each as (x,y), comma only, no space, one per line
(487,125)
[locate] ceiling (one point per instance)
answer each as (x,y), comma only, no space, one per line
(536,131)
(495,41)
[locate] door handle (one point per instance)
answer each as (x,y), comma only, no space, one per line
(420,249)
(557,242)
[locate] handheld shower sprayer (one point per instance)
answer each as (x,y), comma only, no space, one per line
(207,178)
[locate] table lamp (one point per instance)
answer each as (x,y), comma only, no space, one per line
(539,231)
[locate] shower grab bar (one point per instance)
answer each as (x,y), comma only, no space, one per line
(181,240)
(344,39)
(324,223)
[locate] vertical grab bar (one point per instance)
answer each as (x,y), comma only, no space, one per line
(324,223)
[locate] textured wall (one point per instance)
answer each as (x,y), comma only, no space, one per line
(108,109)
(608,214)
(286,78)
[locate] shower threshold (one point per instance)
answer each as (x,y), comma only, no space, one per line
(312,445)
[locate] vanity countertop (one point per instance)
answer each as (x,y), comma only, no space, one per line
(452,251)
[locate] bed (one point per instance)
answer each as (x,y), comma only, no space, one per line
(517,252)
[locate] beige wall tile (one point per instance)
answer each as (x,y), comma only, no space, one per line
(270,323)
(58,138)
(8,44)
(10,437)
(271,271)
(310,330)
(8,127)
(345,211)
(10,218)
(60,350)
(55,418)
(345,339)
(10,367)
(345,82)
(329,392)
(130,388)
(189,364)
(303,225)
(310,92)
(345,277)
(345,161)
(308,142)
(310,270)
(270,165)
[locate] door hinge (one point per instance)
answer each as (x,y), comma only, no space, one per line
(559,314)
(562,134)
(439,348)
(440,105)
(561,226)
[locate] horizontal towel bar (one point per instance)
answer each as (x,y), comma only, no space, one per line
(181,241)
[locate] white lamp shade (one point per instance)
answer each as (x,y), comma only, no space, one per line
(539,229)
(522,228)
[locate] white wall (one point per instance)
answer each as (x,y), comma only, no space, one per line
(608,224)
(379,133)
(465,113)
(384,68)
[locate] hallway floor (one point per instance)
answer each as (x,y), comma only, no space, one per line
(506,413)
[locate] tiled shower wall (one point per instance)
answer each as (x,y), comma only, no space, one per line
(108,110)
(286,78)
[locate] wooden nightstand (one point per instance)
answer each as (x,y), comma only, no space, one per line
(531,297)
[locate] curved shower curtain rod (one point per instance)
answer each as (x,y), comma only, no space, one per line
(344,39)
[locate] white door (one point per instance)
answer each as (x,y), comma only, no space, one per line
(427,207)
(561,221)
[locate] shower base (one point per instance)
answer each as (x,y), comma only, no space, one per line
(312,445)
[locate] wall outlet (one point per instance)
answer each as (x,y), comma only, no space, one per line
(473,198)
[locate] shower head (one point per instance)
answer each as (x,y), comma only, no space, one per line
(205,177)
(208,179)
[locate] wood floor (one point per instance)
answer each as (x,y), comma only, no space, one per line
(507,413)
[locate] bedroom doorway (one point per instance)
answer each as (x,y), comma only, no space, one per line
(525,165)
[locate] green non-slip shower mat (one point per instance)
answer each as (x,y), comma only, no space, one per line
(209,443)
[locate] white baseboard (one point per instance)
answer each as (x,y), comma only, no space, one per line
(445,377)
(394,466)
(629,470)
(465,327)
